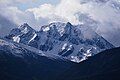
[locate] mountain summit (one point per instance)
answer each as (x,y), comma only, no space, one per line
(74,42)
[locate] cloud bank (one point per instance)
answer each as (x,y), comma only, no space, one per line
(103,13)
(5,27)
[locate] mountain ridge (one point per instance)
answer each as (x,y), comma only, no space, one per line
(73,42)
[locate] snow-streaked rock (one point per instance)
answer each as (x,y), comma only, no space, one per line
(74,42)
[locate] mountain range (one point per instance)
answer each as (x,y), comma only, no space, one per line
(74,42)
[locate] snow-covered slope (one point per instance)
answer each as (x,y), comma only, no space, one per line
(74,42)
(20,50)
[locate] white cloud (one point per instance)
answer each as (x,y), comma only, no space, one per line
(44,11)
(64,11)
(17,16)
(67,10)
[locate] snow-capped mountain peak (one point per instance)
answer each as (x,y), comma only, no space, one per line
(25,28)
(74,42)
(22,34)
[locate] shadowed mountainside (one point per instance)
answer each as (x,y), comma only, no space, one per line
(103,66)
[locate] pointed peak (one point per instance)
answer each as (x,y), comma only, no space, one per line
(25,25)
(68,23)
(57,24)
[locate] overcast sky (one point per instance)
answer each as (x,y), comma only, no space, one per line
(41,12)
